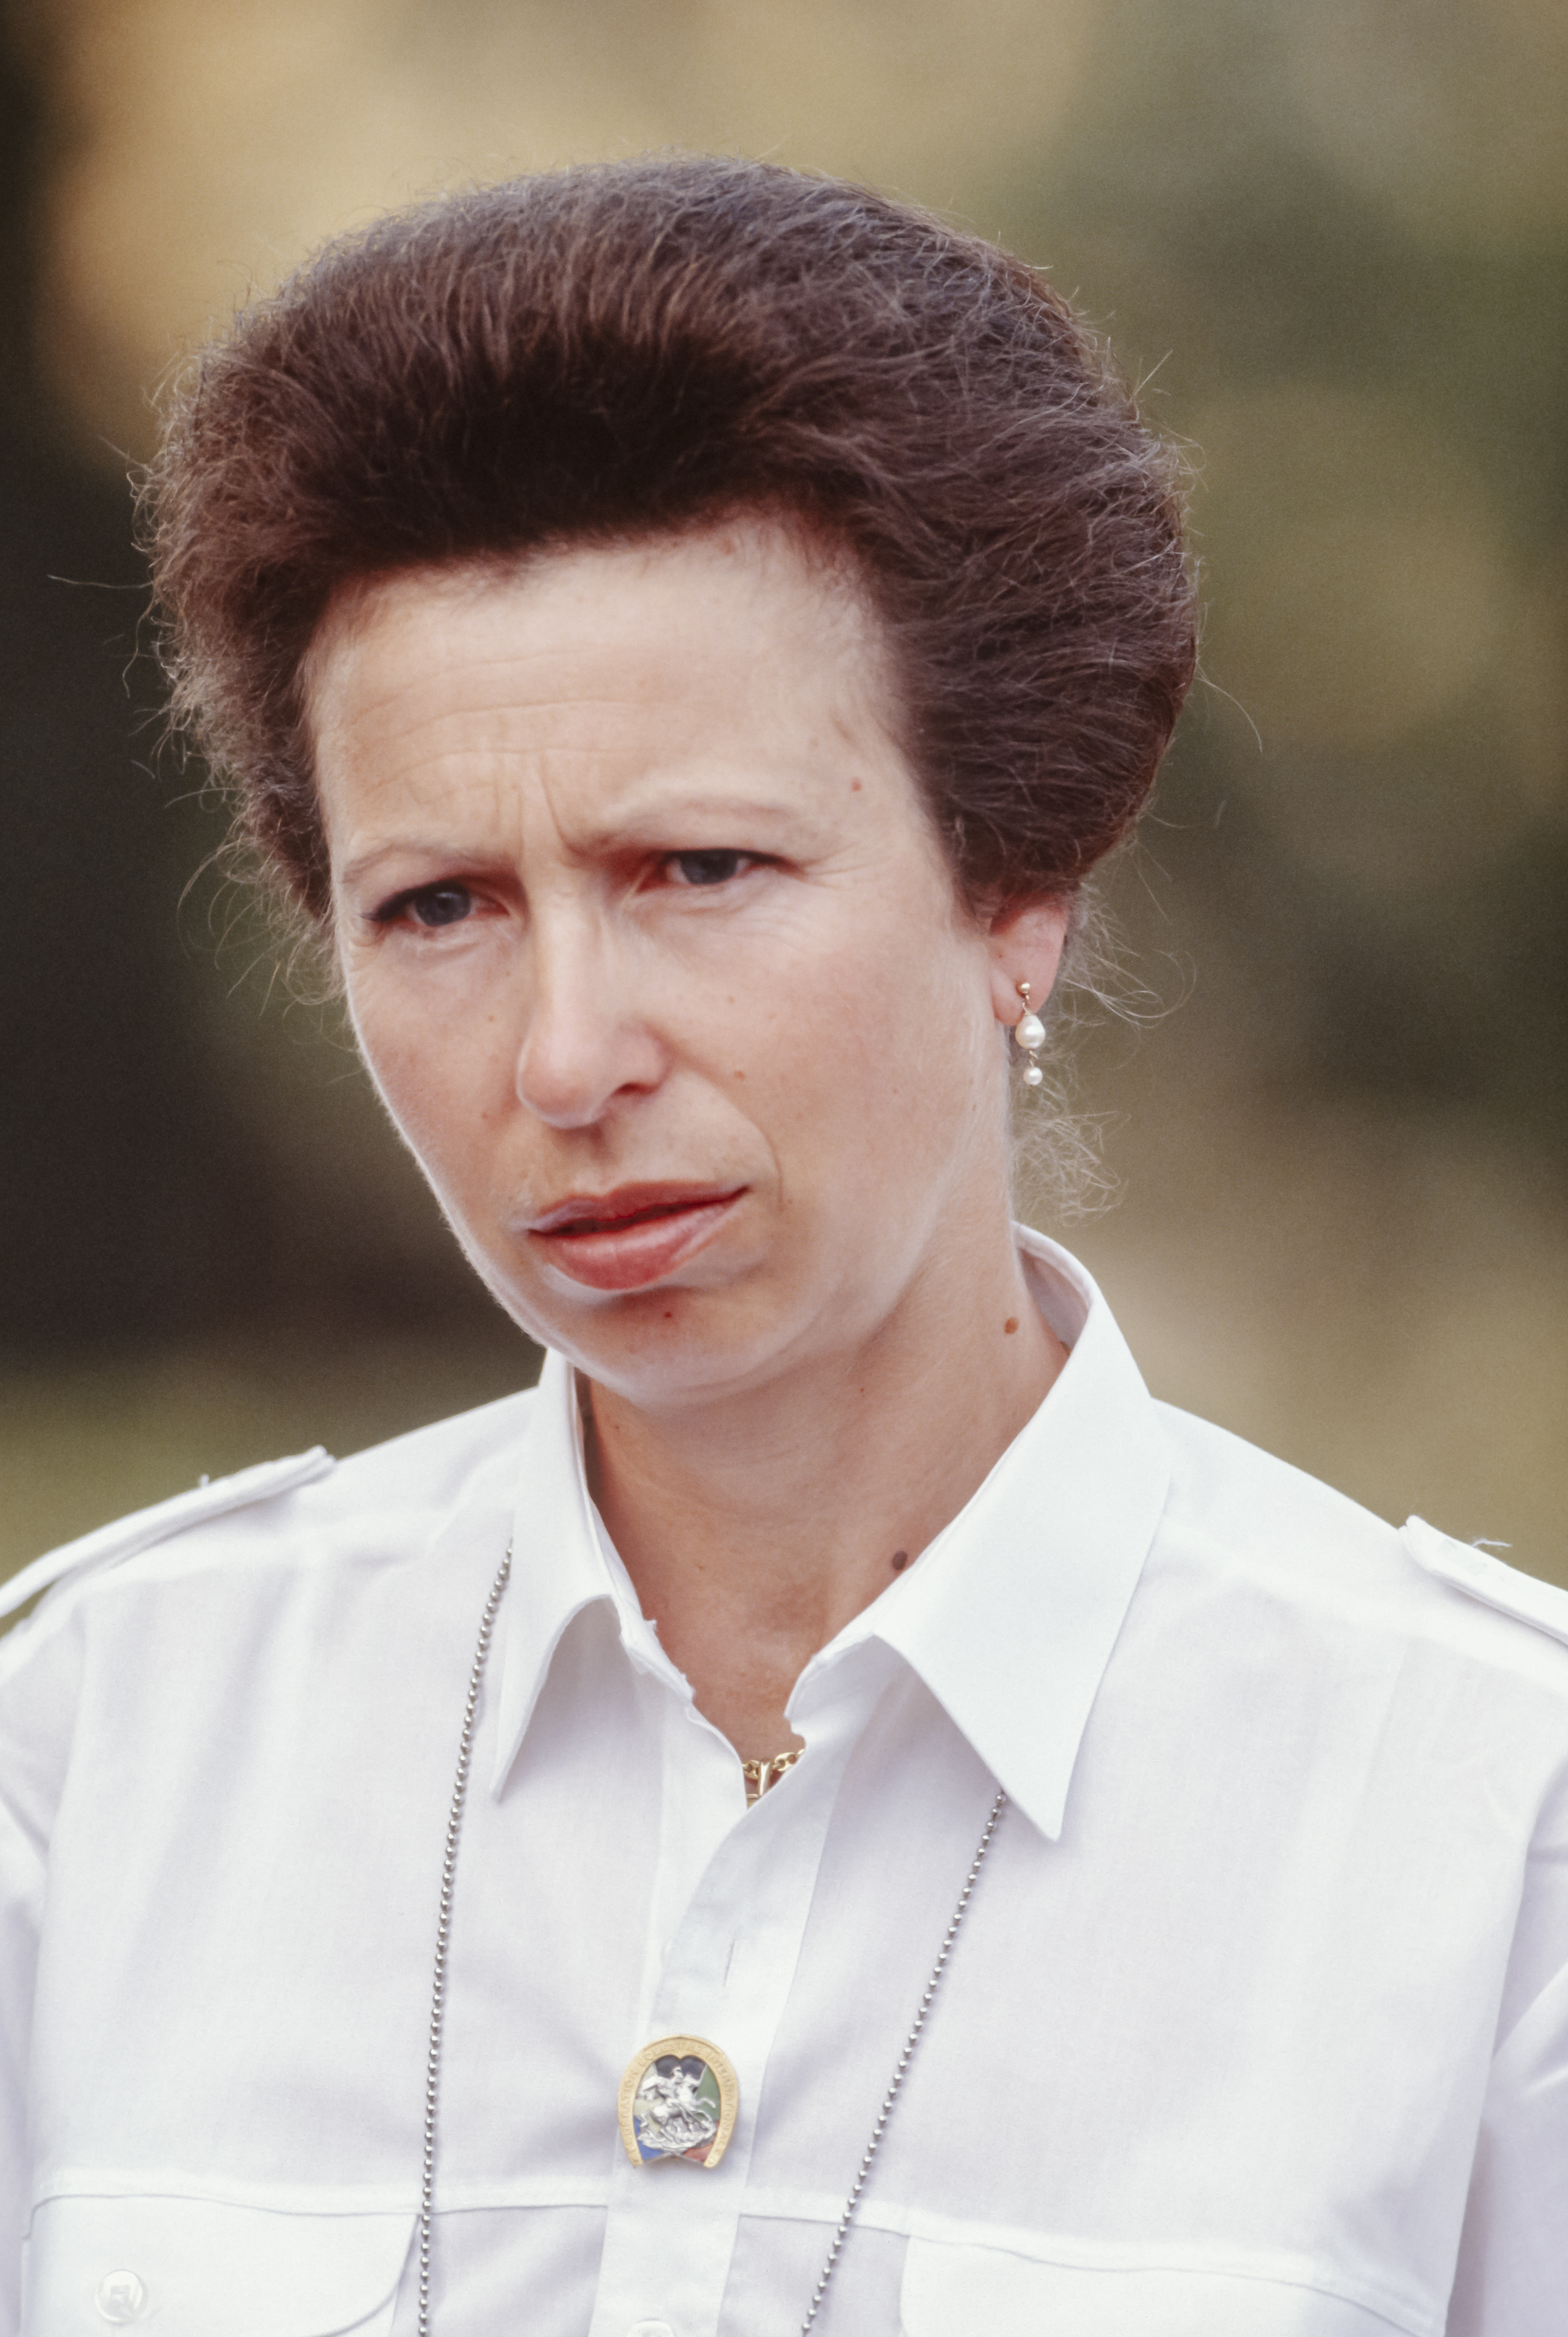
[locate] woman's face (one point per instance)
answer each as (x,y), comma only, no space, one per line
(653,954)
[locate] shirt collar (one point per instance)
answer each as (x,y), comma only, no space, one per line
(1010,1617)
(1012,1613)
(562,1563)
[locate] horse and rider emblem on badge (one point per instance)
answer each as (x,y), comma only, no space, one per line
(678,2100)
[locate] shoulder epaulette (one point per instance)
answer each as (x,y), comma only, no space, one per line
(1481,1576)
(108,1545)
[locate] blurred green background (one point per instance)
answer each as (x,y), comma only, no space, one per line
(1327,235)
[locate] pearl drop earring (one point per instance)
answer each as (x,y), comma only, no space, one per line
(1029,1032)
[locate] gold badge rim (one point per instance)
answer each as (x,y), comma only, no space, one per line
(728,2096)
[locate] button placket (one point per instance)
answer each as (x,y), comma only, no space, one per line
(732,1956)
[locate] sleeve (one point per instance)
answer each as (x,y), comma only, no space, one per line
(41,1675)
(1510,2280)
(39,1671)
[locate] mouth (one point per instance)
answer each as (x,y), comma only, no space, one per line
(630,1237)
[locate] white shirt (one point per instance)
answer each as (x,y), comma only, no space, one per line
(1257,2025)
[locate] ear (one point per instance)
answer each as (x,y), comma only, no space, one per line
(1025,945)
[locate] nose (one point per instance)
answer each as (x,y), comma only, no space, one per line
(584,1041)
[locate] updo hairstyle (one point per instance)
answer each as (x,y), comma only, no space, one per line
(614,353)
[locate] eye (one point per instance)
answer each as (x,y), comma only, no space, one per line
(706,867)
(430,905)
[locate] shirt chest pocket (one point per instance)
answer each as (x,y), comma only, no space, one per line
(201,2268)
(978,2292)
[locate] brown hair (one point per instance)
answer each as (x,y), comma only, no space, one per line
(614,352)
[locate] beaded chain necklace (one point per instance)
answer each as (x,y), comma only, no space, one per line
(767,1772)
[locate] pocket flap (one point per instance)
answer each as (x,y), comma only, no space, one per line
(201,2268)
(955,2291)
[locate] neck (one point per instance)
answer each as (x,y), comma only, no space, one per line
(755,1526)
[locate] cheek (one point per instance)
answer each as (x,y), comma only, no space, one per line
(431,1069)
(882,1054)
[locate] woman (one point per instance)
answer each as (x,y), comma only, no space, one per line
(684,633)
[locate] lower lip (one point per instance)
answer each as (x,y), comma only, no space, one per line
(642,1251)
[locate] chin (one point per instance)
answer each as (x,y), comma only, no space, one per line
(667,1346)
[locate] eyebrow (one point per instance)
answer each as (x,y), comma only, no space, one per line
(635,826)
(363,867)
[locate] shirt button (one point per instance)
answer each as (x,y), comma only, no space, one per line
(650,2329)
(121,2296)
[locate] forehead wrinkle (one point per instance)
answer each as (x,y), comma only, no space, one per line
(834,609)
(614,780)
(507,725)
(518,705)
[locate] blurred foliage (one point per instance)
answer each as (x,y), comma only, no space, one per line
(1327,236)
